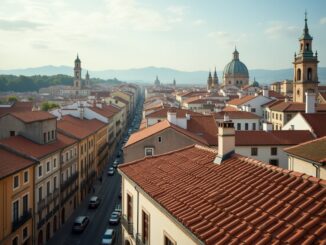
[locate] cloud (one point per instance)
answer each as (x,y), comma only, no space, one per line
(176,13)
(18,25)
(280,30)
(199,22)
(323,21)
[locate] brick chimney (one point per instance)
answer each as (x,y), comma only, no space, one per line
(226,141)
(265,91)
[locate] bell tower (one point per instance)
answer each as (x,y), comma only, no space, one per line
(77,73)
(305,67)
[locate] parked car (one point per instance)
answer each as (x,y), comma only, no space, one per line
(114,218)
(111,171)
(108,237)
(94,201)
(80,224)
(118,208)
(115,163)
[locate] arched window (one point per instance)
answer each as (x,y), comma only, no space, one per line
(307,47)
(299,74)
(309,74)
(298,92)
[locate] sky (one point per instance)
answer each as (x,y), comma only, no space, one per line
(188,35)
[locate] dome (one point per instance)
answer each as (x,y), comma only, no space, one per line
(236,67)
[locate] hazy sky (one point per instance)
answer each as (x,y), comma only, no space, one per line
(185,34)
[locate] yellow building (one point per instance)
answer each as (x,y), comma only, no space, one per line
(16,198)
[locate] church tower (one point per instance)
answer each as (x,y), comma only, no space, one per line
(215,80)
(87,80)
(305,67)
(77,74)
(209,81)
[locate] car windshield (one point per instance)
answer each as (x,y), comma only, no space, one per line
(114,216)
(107,236)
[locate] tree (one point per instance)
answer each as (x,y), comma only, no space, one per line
(46,106)
(12,98)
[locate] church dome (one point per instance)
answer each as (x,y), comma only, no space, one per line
(236,67)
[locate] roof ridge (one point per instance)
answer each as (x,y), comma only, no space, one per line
(305,143)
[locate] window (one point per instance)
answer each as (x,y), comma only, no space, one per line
(238,126)
(48,167)
(253,109)
(25,204)
(149,151)
(54,163)
(246,126)
(15,241)
(48,189)
(12,133)
(253,126)
(15,211)
(49,136)
(145,227)
(55,182)
(26,176)
(288,117)
(40,194)
(273,162)
(16,181)
(67,156)
(254,151)
(276,116)
(129,208)
(52,134)
(159,139)
(44,137)
(25,232)
(168,240)
(274,151)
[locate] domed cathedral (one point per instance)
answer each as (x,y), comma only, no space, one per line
(212,82)
(305,67)
(77,73)
(235,73)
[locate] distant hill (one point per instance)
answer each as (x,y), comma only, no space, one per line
(166,75)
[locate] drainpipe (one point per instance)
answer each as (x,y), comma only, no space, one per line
(137,229)
(317,169)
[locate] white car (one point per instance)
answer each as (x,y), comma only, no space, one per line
(108,237)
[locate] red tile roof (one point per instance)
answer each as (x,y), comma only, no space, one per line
(315,121)
(16,107)
(33,116)
(162,113)
(230,108)
(323,95)
(31,149)
(274,137)
(204,126)
(106,110)
(241,201)
(314,150)
(126,102)
(11,163)
(159,127)
(236,115)
(78,128)
(242,100)
(294,107)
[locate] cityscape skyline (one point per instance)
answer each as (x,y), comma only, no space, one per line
(186,36)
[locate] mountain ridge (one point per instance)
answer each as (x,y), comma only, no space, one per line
(165,74)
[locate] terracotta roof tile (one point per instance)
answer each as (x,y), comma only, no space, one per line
(241,101)
(33,116)
(204,126)
(236,201)
(159,127)
(230,108)
(312,150)
(17,107)
(31,149)
(162,113)
(11,163)
(314,120)
(291,106)
(275,137)
(236,115)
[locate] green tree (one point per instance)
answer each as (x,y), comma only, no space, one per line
(46,106)
(12,98)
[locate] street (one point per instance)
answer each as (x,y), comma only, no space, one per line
(108,191)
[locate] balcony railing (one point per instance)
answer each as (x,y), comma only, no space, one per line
(21,220)
(127,225)
(69,181)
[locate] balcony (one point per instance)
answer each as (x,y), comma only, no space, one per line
(21,220)
(69,181)
(129,227)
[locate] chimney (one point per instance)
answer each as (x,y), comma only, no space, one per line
(172,117)
(267,126)
(81,112)
(286,100)
(99,105)
(226,141)
(188,116)
(240,95)
(310,102)
(265,91)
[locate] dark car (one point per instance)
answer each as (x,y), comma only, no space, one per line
(80,224)
(94,202)
(114,218)
(110,171)
(108,237)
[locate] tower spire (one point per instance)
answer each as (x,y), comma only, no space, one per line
(305,34)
